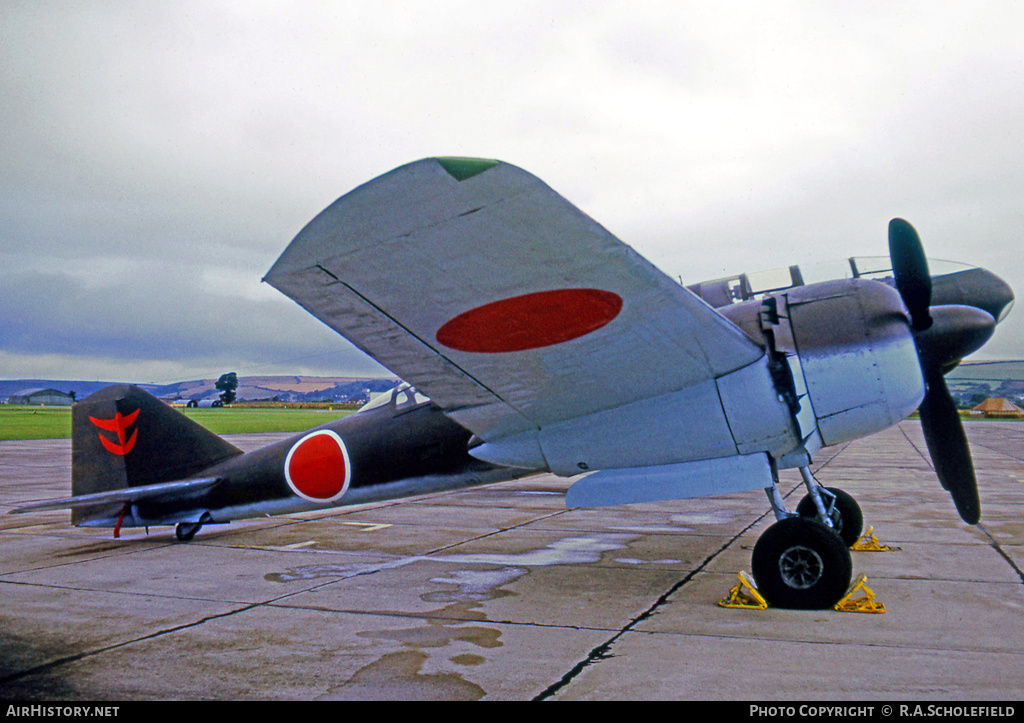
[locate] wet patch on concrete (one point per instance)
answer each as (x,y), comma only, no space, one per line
(566,551)
(473,585)
(399,676)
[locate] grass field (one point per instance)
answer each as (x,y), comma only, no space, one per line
(24,422)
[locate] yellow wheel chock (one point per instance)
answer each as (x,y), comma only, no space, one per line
(744,595)
(864,604)
(869,543)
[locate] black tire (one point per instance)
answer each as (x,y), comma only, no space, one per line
(799,563)
(847,519)
(185,531)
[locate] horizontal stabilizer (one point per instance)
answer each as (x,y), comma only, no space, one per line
(671,481)
(126,495)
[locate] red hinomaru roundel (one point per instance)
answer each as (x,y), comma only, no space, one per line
(530,321)
(317,467)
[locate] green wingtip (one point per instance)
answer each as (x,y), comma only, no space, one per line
(462,168)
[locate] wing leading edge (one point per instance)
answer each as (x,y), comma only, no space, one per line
(513,310)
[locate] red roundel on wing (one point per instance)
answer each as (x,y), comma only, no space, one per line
(317,467)
(530,321)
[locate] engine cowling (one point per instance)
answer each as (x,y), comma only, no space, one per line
(857,355)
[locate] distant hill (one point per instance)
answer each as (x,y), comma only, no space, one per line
(997,371)
(977,381)
(80,388)
(283,388)
(969,381)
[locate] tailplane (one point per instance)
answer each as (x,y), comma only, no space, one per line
(122,437)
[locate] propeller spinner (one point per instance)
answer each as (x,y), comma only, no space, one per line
(944,335)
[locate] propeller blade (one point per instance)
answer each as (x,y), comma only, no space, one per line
(957,331)
(947,445)
(910,269)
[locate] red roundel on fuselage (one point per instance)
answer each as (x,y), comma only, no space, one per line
(317,467)
(530,321)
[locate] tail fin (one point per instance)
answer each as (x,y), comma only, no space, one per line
(122,436)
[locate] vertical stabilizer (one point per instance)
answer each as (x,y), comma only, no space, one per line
(122,436)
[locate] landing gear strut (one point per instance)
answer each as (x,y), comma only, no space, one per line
(832,507)
(803,560)
(842,509)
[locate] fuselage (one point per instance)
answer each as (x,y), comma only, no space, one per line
(818,383)
(391,450)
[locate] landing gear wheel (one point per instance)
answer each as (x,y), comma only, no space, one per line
(847,519)
(799,563)
(185,531)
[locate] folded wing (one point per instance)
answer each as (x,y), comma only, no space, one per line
(474,281)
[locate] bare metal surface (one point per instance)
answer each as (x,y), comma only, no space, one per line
(502,593)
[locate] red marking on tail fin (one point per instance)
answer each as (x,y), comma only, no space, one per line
(119,425)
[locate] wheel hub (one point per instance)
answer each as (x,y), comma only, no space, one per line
(800,567)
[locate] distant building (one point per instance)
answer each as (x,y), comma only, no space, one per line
(205,403)
(998,408)
(47,397)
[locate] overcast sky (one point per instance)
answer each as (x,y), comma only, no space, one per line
(157,157)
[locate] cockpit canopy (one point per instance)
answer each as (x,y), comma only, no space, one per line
(402,397)
(743,287)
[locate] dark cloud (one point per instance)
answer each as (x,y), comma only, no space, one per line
(165,317)
(156,159)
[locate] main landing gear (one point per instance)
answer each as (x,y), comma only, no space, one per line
(803,560)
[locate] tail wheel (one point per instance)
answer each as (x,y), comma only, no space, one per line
(799,563)
(847,519)
(185,531)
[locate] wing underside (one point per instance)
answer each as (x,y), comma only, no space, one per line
(492,294)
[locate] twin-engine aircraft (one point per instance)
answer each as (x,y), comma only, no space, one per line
(532,340)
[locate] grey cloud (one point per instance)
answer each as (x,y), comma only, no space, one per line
(178,144)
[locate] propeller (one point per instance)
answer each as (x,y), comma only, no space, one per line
(944,335)
(910,269)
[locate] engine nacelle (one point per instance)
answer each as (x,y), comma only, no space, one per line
(857,355)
